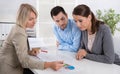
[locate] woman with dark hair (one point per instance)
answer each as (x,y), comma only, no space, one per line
(96,42)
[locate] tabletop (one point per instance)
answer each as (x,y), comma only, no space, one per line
(83,66)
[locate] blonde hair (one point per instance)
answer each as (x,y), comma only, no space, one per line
(23,13)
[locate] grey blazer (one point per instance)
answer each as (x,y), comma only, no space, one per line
(14,53)
(102,49)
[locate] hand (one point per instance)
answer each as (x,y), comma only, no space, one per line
(57,43)
(34,51)
(81,54)
(55,65)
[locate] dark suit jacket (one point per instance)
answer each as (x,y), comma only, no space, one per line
(102,49)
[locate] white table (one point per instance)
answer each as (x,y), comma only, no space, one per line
(83,66)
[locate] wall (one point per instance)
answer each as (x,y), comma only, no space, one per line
(44,28)
(101,4)
(8,9)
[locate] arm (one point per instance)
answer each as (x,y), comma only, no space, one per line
(75,41)
(20,44)
(59,40)
(55,65)
(108,49)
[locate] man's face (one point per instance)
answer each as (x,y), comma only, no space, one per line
(61,20)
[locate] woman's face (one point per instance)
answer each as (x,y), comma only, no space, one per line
(31,20)
(82,22)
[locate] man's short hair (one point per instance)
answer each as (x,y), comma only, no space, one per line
(56,10)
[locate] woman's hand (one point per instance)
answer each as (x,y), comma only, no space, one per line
(34,51)
(81,54)
(55,65)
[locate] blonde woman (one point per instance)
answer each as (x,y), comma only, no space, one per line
(15,56)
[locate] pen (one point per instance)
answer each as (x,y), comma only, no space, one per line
(44,51)
(40,49)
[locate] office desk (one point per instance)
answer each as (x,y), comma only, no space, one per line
(83,66)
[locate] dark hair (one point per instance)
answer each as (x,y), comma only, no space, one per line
(84,10)
(56,10)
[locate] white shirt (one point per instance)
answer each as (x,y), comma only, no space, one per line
(91,39)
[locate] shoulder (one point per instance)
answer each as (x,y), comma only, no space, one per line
(74,26)
(104,27)
(16,34)
(54,26)
(71,22)
(104,30)
(19,31)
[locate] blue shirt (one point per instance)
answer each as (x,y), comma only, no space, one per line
(69,38)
